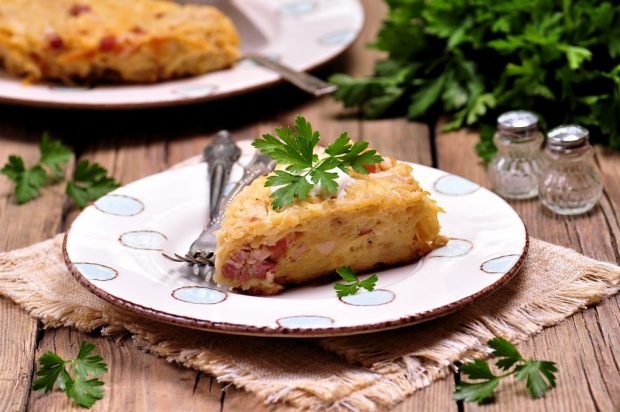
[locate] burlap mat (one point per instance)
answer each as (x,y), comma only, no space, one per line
(350,373)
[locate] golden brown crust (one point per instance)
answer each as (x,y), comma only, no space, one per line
(113,40)
(383,218)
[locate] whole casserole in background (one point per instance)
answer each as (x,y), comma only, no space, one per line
(137,41)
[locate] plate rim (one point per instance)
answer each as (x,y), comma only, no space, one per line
(24,102)
(297,332)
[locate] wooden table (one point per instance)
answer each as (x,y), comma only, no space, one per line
(133,144)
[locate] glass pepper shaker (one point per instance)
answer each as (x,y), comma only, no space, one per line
(513,171)
(570,182)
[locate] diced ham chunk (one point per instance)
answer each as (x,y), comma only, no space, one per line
(249,264)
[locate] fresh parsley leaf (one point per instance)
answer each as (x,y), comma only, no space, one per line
(506,352)
(476,392)
(76,377)
(86,364)
(28,182)
(85,392)
(354,285)
(539,375)
(90,182)
(54,155)
(472,61)
(51,366)
(369,283)
(478,369)
(304,169)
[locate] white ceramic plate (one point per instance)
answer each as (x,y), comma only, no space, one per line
(300,33)
(114,249)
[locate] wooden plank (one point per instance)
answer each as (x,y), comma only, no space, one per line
(583,345)
(21,226)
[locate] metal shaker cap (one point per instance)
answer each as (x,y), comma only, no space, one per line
(517,123)
(567,137)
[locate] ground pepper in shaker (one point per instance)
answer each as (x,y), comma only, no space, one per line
(570,182)
(513,171)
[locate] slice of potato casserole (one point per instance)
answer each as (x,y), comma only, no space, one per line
(381,218)
(113,40)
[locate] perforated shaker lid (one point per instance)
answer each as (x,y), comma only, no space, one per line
(517,123)
(567,137)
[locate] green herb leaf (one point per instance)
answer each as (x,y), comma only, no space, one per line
(54,155)
(28,182)
(76,377)
(304,169)
(476,392)
(539,375)
(90,182)
(369,283)
(478,369)
(51,366)
(86,364)
(506,352)
(85,392)
(354,285)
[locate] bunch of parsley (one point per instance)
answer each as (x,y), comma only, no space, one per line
(90,180)
(474,59)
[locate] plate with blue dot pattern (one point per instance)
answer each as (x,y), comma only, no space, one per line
(114,249)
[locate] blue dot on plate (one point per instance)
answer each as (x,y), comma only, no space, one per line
(119,205)
(197,90)
(455,247)
(501,264)
(296,8)
(94,271)
(337,37)
(373,298)
(455,185)
(305,321)
(199,295)
(143,239)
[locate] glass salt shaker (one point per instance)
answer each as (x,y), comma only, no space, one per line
(513,171)
(570,182)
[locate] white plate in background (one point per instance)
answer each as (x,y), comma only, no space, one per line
(300,33)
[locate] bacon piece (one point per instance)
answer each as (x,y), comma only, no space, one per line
(365,231)
(54,41)
(107,43)
(372,168)
(78,9)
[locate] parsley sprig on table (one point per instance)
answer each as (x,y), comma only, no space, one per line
(90,180)
(76,377)
(304,168)
(473,60)
(539,376)
(354,284)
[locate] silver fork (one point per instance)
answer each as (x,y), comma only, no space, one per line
(220,156)
(204,258)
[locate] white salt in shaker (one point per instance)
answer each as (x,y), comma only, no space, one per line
(570,182)
(513,171)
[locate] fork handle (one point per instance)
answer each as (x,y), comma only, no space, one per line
(303,80)
(249,175)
